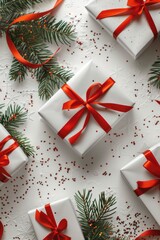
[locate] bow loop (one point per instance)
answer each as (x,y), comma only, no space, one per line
(94,92)
(47,220)
(62,225)
(4,159)
(153,167)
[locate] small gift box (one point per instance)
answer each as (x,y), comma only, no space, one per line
(12,158)
(134,23)
(86,108)
(143,175)
(56,221)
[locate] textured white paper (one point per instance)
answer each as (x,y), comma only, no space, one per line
(56,118)
(134,171)
(136,37)
(61,209)
(17,158)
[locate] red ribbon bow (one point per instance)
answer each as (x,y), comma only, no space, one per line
(94,92)
(153,167)
(26,18)
(4,160)
(148,233)
(1,230)
(48,221)
(136,8)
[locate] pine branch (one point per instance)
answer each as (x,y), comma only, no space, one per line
(155,74)
(49,76)
(11,119)
(52,31)
(94,215)
(23,141)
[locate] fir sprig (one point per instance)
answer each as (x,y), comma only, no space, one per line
(155,74)
(94,215)
(11,119)
(31,39)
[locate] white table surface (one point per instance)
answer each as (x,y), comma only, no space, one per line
(57,172)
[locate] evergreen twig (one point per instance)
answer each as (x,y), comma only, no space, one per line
(11,119)
(31,40)
(155,74)
(94,215)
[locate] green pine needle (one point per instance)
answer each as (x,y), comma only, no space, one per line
(11,119)
(94,215)
(155,74)
(23,141)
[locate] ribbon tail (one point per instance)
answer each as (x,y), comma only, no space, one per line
(144,186)
(64,237)
(123,25)
(100,120)
(75,137)
(115,106)
(151,22)
(148,233)
(71,124)
(113,13)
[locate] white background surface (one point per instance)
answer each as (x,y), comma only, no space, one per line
(57,172)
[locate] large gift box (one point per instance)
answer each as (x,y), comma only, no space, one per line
(134,23)
(12,158)
(143,175)
(80,122)
(57,219)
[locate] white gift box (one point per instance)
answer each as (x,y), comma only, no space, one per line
(17,158)
(56,118)
(137,36)
(134,171)
(62,209)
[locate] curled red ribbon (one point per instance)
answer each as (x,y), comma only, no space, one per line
(148,233)
(4,160)
(153,167)
(48,221)
(26,18)
(94,92)
(1,230)
(136,8)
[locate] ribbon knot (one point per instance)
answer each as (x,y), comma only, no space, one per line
(4,159)
(48,221)
(153,167)
(136,8)
(94,92)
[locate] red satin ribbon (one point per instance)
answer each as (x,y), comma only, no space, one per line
(153,167)
(148,233)
(158,101)
(48,221)
(135,10)
(4,160)
(26,18)
(1,230)
(94,92)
